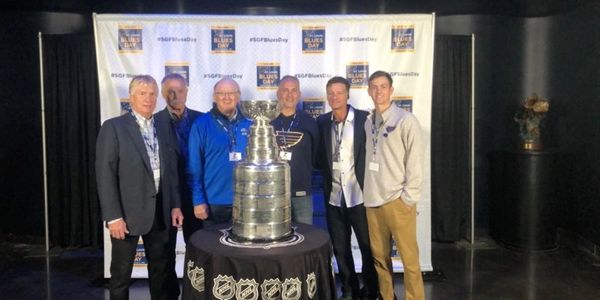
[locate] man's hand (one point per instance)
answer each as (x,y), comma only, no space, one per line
(118,229)
(201,211)
(176,217)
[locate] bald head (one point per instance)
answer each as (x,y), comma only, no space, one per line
(226,95)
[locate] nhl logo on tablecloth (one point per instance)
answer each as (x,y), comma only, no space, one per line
(311,285)
(291,289)
(196,276)
(224,287)
(247,289)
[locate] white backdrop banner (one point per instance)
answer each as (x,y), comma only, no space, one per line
(257,51)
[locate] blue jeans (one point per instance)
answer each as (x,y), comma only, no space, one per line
(302,209)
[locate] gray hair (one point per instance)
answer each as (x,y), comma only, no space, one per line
(141,79)
(173,76)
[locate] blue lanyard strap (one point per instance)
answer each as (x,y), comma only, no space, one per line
(230,129)
(284,146)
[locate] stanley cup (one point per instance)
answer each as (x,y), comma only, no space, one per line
(261,205)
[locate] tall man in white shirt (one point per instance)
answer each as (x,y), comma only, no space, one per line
(393,179)
(342,158)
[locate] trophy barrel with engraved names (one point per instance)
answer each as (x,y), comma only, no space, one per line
(261,206)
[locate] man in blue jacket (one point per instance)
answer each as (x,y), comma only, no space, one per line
(217,140)
(174,90)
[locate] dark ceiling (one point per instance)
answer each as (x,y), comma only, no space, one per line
(525,8)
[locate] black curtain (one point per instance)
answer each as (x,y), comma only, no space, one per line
(450,138)
(72,123)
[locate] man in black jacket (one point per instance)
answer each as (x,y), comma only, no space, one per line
(342,159)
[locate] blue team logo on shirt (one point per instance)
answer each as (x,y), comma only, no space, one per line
(313,39)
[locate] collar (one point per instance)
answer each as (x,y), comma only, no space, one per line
(349,115)
(141,120)
(219,114)
(174,116)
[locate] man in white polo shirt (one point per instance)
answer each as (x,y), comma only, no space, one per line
(393,178)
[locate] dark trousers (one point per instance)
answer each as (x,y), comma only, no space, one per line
(219,214)
(191,224)
(340,222)
(159,245)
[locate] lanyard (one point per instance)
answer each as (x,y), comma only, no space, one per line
(375,132)
(230,129)
(284,146)
(151,142)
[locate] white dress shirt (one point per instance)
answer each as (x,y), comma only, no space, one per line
(344,177)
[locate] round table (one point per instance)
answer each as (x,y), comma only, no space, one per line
(218,268)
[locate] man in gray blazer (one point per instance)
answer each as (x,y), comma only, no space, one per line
(136,173)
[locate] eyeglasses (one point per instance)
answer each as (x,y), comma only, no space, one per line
(226,94)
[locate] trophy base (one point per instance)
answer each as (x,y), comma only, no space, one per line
(531,146)
(244,240)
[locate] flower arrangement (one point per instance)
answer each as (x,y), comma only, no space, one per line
(529,116)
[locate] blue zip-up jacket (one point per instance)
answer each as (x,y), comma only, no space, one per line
(210,173)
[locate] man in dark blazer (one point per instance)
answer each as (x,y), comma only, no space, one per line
(136,173)
(342,159)
(174,90)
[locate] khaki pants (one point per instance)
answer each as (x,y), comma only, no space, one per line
(398,220)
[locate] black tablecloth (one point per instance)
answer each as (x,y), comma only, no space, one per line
(215,269)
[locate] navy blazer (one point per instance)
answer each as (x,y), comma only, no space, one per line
(124,174)
(325,157)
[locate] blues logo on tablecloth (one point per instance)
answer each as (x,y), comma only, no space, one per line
(313,39)
(358,74)
(222,39)
(181,68)
(130,39)
(267,75)
(403,38)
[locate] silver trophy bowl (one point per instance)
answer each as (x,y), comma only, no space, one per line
(263,110)
(261,206)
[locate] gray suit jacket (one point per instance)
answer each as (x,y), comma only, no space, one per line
(124,175)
